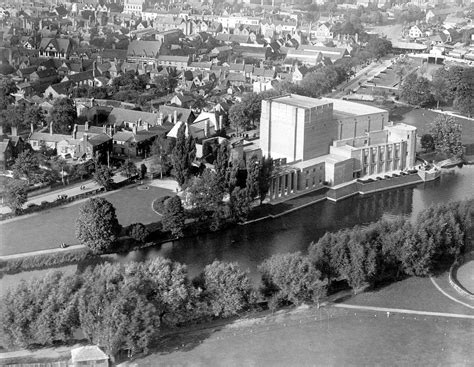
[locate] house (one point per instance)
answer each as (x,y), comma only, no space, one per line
(437,15)
(298,73)
(415,32)
(182,100)
(89,356)
(44,76)
(122,117)
(135,143)
(133,7)
(322,33)
(6,154)
(81,79)
(145,52)
(58,90)
(262,75)
(57,48)
(178,62)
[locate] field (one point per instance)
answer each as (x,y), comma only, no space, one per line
(49,228)
(422,120)
(334,336)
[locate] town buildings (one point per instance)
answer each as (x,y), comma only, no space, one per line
(324,141)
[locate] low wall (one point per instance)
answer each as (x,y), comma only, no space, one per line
(343,192)
(388,183)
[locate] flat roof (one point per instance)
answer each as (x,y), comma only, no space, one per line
(347,108)
(301,101)
(328,158)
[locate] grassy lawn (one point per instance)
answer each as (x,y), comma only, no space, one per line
(465,276)
(414,294)
(51,227)
(325,337)
(422,120)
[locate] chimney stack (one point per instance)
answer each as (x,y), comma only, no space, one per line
(160,119)
(221,118)
(134,129)
(170,118)
(32,128)
(51,128)
(175,117)
(206,128)
(74,132)
(104,129)
(14,131)
(86,126)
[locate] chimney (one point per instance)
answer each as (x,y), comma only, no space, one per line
(14,131)
(115,128)
(86,126)
(146,126)
(51,128)
(104,129)
(175,119)
(32,128)
(220,121)
(1,129)
(74,132)
(134,129)
(206,128)
(170,118)
(160,119)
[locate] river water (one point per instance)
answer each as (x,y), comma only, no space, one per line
(249,245)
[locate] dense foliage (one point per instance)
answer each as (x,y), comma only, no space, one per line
(97,226)
(126,307)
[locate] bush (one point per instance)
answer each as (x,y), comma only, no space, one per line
(292,278)
(159,204)
(138,232)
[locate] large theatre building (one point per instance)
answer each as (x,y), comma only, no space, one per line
(328,141)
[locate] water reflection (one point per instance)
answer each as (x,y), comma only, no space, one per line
(250,245)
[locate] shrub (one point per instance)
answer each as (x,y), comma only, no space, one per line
(138,232)
(159,204)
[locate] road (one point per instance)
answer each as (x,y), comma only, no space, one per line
(361,77)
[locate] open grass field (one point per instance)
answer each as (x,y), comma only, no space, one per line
(336,337)
(422,120)
(325,337)
(465,276)
(47,229)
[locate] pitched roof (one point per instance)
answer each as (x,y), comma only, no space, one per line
(183,114)
(144,48)
(87,353)
(118,115)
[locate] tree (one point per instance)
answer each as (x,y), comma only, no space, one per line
(183,155)
(240,204)
(379,47)
(161,151)
(292,278)
(227,289)
(143,171)
(205,195)
(447,135)
(416,90)
(439,90)
(162,83)
(63,115)
(252,183)
(427,142)
(138,232)
(173,216)
(465,92)
(97,226)
(221,165)
(265,177)
(15,195)
(26,164)
(103,177)
(239,118)
(316,83)
(129,169)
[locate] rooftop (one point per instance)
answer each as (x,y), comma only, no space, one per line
(344,108)
(300,101)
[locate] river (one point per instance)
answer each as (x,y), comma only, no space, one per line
(249,245)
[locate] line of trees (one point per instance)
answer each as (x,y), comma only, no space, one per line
(453,86)
(125,307)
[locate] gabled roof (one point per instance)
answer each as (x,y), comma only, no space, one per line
(118,115)
(79,77)
(88,353)
(183,114)
(144,48)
